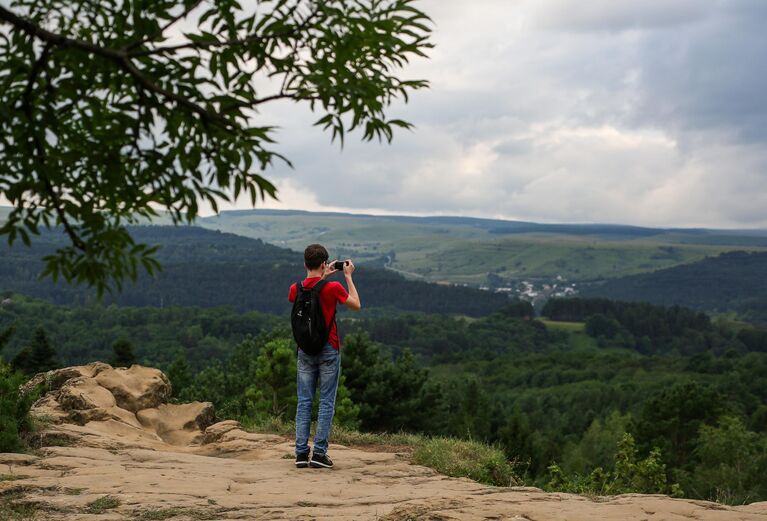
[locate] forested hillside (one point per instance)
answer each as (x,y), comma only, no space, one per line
(572,399)
(571,403)
(729,282)
(209,268)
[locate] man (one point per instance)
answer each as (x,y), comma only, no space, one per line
(323,368)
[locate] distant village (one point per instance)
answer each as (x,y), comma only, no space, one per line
(534,291)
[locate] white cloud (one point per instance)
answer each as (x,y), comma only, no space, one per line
(555,110)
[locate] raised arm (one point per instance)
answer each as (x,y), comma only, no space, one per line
(353,302)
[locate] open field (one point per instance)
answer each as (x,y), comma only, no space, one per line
(459,250)
(465,251)
(574,327)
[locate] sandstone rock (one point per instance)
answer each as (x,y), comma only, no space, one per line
(526,489)
(17,459)
(178,424)
(54,379)
(214,432)
(151,459)
(48,409)
(129,402)
(137,387)
(83,393)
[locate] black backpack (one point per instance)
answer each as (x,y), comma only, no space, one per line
(309,327)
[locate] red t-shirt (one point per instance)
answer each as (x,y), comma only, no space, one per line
(333,293)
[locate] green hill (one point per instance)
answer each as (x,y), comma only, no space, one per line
(209,268)
(727,282)
(467,250)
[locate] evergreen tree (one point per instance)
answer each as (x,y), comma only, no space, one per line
(37,357)
(515,435)
(179,374)
(5,335)
(392,396)
(276,373)
(122,351)
(347,412)
(672,418)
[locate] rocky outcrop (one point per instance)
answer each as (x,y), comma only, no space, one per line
(113,448)
(127,399)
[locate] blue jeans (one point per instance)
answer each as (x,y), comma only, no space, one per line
(325,368)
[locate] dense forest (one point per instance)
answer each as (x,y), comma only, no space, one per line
(210,268)
(680,397)
(728,282)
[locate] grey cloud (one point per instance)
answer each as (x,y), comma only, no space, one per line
(611,15)
(707,76)
(632,113)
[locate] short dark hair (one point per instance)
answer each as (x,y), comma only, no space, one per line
(315,255)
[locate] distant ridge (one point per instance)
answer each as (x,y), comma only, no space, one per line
(503,226)
(209,268)
(722,283)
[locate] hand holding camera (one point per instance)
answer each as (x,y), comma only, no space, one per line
(346,266)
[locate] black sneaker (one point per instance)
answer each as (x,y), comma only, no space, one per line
(321,461)
(302,461)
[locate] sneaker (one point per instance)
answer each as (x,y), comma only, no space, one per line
(302,461)
(321,461)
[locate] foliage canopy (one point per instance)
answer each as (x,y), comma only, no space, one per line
(112,112)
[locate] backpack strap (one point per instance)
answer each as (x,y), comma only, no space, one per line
(319,287)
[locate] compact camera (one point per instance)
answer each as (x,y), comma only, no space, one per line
(339,265)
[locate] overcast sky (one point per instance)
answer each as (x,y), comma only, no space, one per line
(646,112)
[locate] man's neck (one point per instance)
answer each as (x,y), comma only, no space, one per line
(313,273)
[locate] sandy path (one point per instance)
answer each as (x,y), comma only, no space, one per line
(227,473)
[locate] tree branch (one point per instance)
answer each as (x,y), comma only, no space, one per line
(281,95)
(118,57)
(165,27)
(26,105)
(124,60)
(224,43)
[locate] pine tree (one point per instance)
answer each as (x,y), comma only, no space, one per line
(43,354)
(179,374)
(276,370)
(122,354)
(38,357)
(6,335)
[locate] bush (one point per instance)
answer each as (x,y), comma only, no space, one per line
(647,476)
(733,462)
(468,459)
(14,410)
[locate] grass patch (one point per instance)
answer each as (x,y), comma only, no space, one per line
(102,504)
(466,459)
(408,513)
(341,435)
(10,511)
(571,327)
(10,477)
(270,425)
(161,514)
(382,441)
(38,440)
(449,456)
